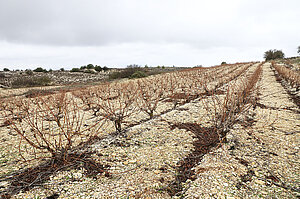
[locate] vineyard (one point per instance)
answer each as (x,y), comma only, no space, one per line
(228,131)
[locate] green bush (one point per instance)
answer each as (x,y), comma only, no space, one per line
(40,69)
(125,73)
(138,74)
(6,69)
(43,81)
(116,75)
(75,70)
(90,66)
(273,54)
(31,81)
(98,68)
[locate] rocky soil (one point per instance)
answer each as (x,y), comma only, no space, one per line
(56,77)
(59,80)
(259,160)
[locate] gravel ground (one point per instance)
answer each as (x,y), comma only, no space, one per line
(258,161)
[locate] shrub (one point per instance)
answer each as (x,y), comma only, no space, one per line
(138,74)
(115,75)
(6,69)
(28,72)
(223,63)
(75,70)
(43,81)
(90,66)
(126,73)
(40,69)
(273,54)
(62,69)
(31,81)
(98,68)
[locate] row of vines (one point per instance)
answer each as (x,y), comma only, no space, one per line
(55,123)
(289,75)
(55,126)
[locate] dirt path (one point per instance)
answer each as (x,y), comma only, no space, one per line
(259,161)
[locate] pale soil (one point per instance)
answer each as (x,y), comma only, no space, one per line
(145,162)
(269,148)
(21,91)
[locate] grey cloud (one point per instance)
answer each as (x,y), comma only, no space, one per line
(101,22)
(110,29)
(77,22)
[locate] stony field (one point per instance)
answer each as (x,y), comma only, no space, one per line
(230,131)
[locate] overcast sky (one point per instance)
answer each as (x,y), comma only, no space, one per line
(116,33)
